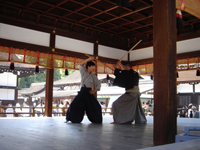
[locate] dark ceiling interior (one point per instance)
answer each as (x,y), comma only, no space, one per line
(92,20)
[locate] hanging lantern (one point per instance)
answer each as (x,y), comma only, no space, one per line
(198,70)
(182,5)
(12,66)
(151,76)
(108,77)
(37,69)
(66,72)
(179,20)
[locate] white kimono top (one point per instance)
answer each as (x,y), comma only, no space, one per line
(88,80)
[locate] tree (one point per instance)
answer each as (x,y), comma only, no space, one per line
(25,82)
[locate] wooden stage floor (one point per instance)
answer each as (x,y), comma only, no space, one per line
(46,133)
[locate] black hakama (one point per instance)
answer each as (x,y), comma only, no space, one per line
(84,102)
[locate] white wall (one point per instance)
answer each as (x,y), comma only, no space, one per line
(188,45)
(15,33)
(197,87)
(143,53)
(8,79)
(184,88)
(7,94)
(24,35)
(74,45)
(110,52)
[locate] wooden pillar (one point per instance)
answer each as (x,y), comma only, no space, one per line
(49,81)
(193,85)
(52,39)
(95,51)
(164,45)
(96,43)
(16,90)
(49,93)
(128,56)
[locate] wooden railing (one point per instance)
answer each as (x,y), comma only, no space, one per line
(33,111)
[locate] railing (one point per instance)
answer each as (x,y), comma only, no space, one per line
(61,111)
(37,111)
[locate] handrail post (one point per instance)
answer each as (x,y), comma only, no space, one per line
(63,111)
(33,112)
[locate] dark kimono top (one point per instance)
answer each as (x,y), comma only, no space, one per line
(126,79)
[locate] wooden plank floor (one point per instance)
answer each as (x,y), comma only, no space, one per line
(54,134)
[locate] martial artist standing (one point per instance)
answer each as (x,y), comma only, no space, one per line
(85,101)
(127,108)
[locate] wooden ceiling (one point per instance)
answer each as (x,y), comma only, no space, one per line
(93,20)
(101,20)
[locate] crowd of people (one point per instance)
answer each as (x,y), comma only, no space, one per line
(147,108)
(24,110)
(21,112)
(192,111)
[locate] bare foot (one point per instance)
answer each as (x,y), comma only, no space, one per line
(114,123)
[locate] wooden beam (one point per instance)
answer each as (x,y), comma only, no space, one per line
(52,39)
(43,49)
(95,52)
(49,92)
(96,48)
(27,46)
(179,56)
(165,98)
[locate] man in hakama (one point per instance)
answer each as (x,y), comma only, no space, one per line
(85,101)
(127,108)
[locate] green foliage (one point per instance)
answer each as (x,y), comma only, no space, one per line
(71,71)
(62,72)
(25,82)
(57,75)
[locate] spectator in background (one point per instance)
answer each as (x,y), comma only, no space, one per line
(54,111)
(190,111)
(25,110)
(38,109)
(196,113)
(67,104)
(184,111)
(9,110)
(60,108)
(147,108)
(103,105)
(18,110)
(1,109)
